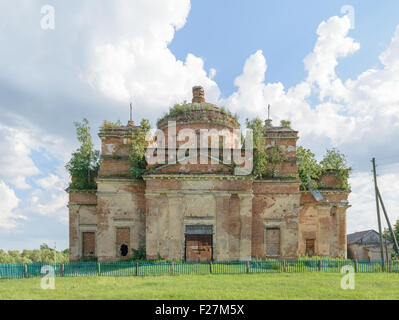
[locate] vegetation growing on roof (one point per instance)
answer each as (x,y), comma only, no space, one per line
(267,161)
(308,168)
(137,154)
(195,112)
(84,163)
(336,162)
(109,125)
(285,123)
(311,171)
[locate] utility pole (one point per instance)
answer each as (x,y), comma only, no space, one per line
(395,243)
(378,214)
(131,115)
(55,254)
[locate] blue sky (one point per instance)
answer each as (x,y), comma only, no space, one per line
(284,30)
(338,85)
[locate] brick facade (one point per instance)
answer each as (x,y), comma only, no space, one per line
(243,217)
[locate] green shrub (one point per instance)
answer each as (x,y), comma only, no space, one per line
(108,125)
(139,254)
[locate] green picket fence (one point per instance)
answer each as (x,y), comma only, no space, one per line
(126,269)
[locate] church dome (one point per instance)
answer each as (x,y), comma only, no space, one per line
(199,113)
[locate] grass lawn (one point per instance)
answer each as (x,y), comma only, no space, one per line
(253,286)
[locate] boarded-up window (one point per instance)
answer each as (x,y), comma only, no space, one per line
(310,247)
(89,244)
(123,241)
(272,239)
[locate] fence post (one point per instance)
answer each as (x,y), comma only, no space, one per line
(171,269)
(210,267)
(355,265)
(390,266)
(99,269)
(62,270)
(319,265)
(137,268)
(25,270)
(247,266)
(284,266)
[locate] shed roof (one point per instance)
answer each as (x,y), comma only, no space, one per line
(366,237)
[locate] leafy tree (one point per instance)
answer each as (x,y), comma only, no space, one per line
(387,234)
(336,161)
(266,160)
(310,171)
(137,154)
(84,163)
(44,255)
(44,246)
(259,142)
(308,168)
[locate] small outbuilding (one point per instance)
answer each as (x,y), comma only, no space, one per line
(365,245)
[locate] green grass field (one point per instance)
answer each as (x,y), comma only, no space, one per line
(254,286)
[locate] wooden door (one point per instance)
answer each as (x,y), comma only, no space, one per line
(89,244)
(272,242)
(310,250)
(198,247)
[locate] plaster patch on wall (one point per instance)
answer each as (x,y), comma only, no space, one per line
(110,149)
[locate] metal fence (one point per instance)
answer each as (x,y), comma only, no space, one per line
(125,269)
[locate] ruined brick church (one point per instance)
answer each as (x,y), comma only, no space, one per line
(203,211)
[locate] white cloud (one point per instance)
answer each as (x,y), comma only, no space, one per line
(363,215)
(138,64)
(17,166)
(332,43)
(51,181)
(9,202)
(125,56)
(18,142)
(347,112)
(51,199)
(15,162)
(355,114)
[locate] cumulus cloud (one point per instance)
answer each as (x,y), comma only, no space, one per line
(50,199)
(138,65)
(15,162)
(332,43)
(362,215)
(124,56)
(9,202)
(17,171)
(346,113)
